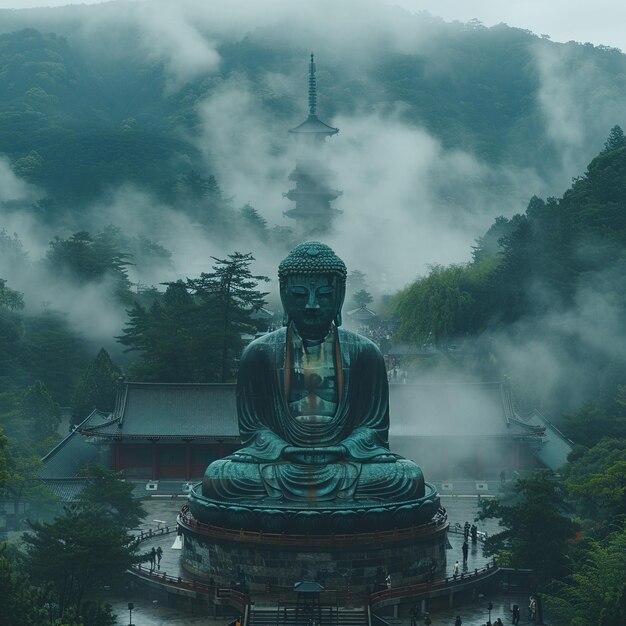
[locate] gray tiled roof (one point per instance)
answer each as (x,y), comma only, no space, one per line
(74,452)
(174,410)
(66,489)
(555,447)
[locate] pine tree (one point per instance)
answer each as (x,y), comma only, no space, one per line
(41,414)
(97,388)
(615,139)
(229,295)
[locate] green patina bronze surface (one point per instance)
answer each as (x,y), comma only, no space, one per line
(313,410)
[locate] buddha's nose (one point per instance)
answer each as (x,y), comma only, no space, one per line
(312,303)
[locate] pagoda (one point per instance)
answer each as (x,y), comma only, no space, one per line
(312,193)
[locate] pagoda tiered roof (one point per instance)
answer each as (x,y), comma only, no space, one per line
(313,125)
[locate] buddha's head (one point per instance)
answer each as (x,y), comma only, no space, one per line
(312,288)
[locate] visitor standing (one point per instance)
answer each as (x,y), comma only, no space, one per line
(474,533)
(458,621)
(465,551)
(516,615)
(159,556)
(455,571)
(152,558)
(466,530)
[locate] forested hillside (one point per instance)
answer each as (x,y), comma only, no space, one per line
(553,275)
(133,149)
(79,115)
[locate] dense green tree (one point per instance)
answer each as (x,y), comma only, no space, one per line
(442,305)
(9,299)
(536,527)
(489,244)
(113,497)
(54,353)
(596,480)
(84,258)
(594,594)
(228,295)
(172,339)
(253,222)
(592,422)
(21,604)
(76,554)
(97,388)
(362,298)
(4,472)
(615,140)
(42,415)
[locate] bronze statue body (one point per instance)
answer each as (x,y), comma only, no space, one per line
(313,410)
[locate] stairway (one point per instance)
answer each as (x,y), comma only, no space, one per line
(286,616)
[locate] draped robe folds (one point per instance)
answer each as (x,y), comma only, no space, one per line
(346,456)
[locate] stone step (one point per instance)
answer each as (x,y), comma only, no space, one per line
(330,616)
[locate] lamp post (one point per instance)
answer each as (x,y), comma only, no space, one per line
(131,606)
(489,608)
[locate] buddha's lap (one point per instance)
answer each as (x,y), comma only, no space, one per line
(394,481)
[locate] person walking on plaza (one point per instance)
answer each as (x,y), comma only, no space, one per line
(474,533)
(516,615)
(152,557)
(465,551)
(159,556)
(466,530)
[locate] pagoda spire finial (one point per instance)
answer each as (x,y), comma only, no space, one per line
(312,87)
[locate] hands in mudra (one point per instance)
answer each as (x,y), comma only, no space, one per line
(314,455)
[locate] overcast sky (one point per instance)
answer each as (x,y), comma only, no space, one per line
(600,22)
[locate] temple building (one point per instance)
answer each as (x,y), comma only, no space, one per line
(312,193)
(163,435)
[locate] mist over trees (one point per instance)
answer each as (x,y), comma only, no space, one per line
(123,193)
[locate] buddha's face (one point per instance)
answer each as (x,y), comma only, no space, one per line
(312,302)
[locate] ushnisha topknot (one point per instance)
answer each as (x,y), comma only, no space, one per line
(312,257)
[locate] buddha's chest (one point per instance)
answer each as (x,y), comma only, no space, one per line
(313,393)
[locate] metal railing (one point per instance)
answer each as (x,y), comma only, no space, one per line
(232,596)
(380,598)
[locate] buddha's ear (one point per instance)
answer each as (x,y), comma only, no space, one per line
(340,290)
(282,290)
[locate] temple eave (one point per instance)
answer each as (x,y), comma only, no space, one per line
(307,214)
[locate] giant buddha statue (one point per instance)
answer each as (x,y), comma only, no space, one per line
(313,411)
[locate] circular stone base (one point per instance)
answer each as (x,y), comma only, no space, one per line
(339,517)
(275,562)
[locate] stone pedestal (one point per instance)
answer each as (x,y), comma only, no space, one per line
(350,564)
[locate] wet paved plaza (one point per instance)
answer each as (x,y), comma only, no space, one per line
(460,509)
